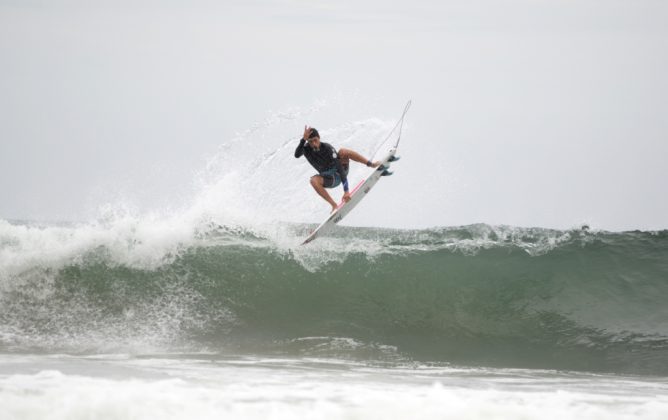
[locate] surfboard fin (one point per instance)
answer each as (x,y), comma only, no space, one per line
(394,158)
(386,173)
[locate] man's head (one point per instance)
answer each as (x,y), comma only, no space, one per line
(314,139)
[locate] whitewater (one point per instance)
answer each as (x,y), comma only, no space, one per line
(212,309)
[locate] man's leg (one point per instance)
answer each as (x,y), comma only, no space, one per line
(318,184)
(345,155)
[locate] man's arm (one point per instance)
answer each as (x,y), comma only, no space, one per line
(344,178)
(300,149)
(342,173)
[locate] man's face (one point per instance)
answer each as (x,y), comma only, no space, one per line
(314,143)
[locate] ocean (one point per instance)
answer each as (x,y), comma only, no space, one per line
(133,318)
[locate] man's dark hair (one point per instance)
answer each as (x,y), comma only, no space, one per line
(314,133)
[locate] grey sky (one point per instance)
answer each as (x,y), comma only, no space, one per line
(547,113)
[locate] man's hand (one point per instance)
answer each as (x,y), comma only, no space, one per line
(346,197)
(307,132)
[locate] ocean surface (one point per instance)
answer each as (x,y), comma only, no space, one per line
(139,318)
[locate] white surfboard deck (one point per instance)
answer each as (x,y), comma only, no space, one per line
(365,185)
(356,195)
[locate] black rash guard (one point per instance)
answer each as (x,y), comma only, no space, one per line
(323,159)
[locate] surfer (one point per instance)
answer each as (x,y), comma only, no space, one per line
(332,166)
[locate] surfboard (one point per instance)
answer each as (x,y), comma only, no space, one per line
(364,186)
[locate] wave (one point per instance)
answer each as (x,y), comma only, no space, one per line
(473,295)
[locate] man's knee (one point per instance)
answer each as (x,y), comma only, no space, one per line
(344,153)
(316,181)
(344,156)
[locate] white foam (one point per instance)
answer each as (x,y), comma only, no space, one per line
(284,390)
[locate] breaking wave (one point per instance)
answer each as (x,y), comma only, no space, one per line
(472,295)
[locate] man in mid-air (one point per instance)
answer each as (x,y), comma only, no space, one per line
(332,167)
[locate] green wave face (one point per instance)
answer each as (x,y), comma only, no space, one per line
(476,295)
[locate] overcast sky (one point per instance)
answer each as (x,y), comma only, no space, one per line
(525,112)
